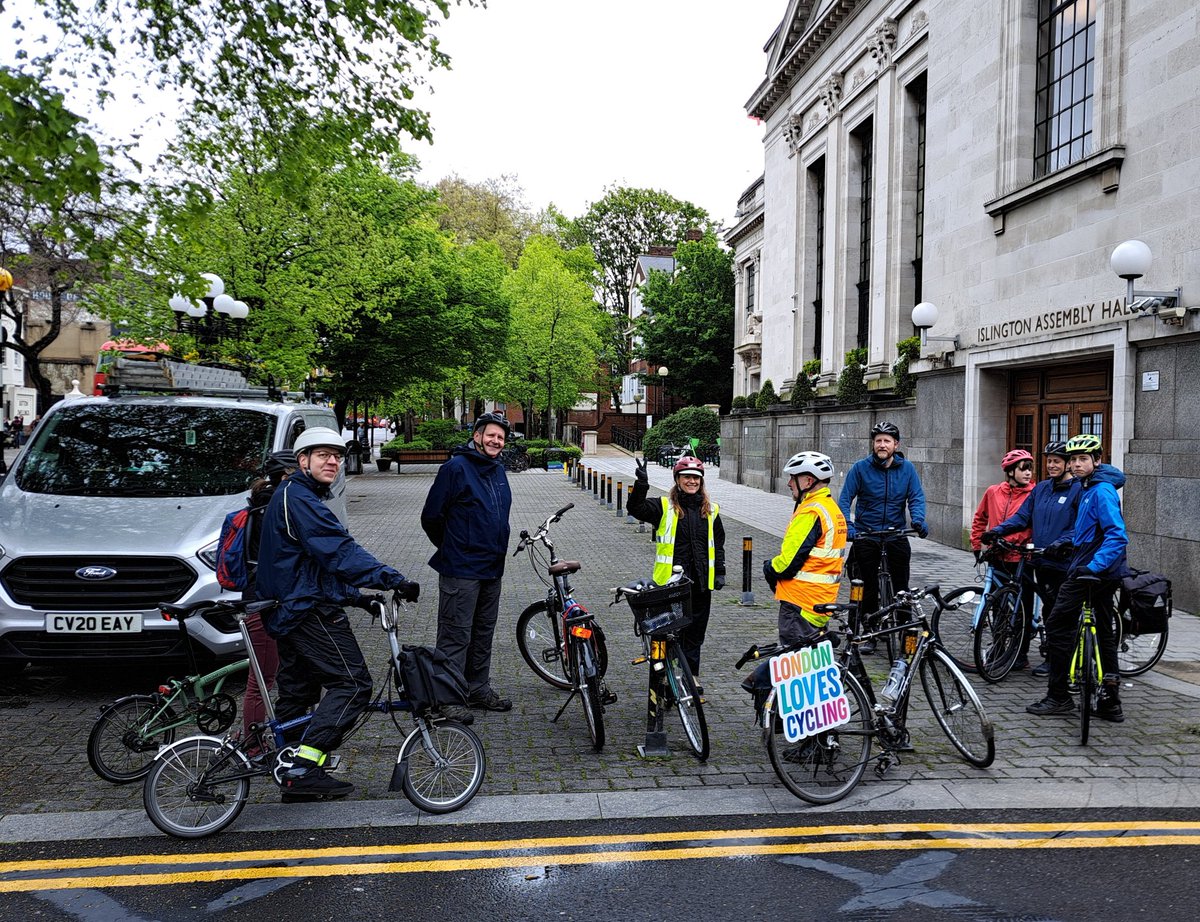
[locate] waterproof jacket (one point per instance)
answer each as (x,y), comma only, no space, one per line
(466,515)
(808,568)
(307,558)
(690,549)
(1099,536)
(882,494)
(1000,500)
(1050,511)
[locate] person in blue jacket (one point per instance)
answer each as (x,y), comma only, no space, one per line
(1050,511)
(308,562)
(1096,548)
(466,518)
(885,492)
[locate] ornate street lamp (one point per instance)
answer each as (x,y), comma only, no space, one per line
(214,318)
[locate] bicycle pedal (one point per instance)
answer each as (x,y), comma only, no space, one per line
(609,697)
(639,661)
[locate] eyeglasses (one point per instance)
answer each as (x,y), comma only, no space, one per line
(323,456)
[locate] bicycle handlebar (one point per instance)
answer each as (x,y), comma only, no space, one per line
(887,533)
(543,530)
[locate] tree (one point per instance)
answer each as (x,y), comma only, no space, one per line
(688,324)
(492,210)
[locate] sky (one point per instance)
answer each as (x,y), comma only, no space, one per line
(572,97)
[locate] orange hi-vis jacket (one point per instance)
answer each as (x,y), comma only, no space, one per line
(813,554)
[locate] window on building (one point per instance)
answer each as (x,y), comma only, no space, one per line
(817,179)
(750,288)
(1065,74)
(863,137)
(917,90)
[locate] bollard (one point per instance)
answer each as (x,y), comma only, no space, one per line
(608,488)
(747,570)
(579,474)
(620,497)
(655,746)
(596,486)
(590,476)
(629,515)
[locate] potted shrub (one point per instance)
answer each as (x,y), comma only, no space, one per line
(766,396)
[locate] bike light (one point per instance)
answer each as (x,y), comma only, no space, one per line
(165,615)
(578,630)
(164,689)
(856,590)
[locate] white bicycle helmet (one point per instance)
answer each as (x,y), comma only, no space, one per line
(809,462)
(318,437)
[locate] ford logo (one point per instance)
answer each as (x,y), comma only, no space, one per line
(96,573)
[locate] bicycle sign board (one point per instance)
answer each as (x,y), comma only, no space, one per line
(808,686)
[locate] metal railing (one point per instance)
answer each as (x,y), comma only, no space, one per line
(629,439)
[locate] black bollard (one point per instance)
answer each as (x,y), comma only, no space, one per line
(747,570)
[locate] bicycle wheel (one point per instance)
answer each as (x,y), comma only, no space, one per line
(589,693)
(999,634)
(687,701)
(954,625)
(188,792)
(1137,653)
(443,772)
(120,749)
(957,709)
(537,639)
(824,768)
(1089,688)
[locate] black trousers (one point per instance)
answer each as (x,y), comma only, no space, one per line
(1062,622)
(321,653)
(691,638)
(864,565)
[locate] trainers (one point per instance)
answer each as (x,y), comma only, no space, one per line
(1050,705)
(1041,672)
(1108,707)
(1020,665)
(866,648)
(311,784)
(489,701)
(460,714)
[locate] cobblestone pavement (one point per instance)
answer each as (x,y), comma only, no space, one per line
(47,715)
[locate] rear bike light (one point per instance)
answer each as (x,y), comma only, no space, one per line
(165,615)
(578,630)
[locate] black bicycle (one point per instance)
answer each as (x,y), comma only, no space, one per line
(561,640)
(1002,620)
(887,592)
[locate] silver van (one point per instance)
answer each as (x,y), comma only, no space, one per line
(114,505)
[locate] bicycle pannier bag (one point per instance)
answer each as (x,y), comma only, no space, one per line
(430,679)
(1147,599)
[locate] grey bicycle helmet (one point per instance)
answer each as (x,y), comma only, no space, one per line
(1058,448)
(810,462)
(886,428)
(318,437)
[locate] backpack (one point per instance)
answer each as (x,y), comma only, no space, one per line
(234,567)
(1146,601)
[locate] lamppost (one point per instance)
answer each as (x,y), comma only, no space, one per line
(213,319)
(662,390)
(638,397)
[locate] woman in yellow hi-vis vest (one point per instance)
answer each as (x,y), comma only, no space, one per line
(687,532)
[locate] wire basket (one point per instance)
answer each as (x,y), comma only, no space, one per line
(661,611)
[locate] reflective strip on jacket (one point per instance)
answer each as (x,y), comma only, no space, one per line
(813,554)
(664,547)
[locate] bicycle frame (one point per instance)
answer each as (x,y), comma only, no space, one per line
(1086,625)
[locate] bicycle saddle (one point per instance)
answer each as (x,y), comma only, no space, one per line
(564,566)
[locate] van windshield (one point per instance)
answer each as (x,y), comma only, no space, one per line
(148,450)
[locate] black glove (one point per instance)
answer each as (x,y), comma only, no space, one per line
(988,537)
(1059,550)
(770,575)
(978,555)
(408,591)
(640,473)
(920,529)
(1076,572)
(719,581)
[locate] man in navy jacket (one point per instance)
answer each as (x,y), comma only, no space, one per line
(310,564)
(466,518)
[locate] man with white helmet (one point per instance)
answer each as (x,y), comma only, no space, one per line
(310,564)
(808,568)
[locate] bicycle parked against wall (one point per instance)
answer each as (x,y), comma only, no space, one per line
(824,767)
(562,641)
(198,786)
(128,732)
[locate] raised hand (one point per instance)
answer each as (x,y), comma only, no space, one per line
(640,473)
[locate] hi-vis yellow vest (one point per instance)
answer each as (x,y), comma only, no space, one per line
(817,581)
(664,548)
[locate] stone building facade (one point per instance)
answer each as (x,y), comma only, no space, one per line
(988,158)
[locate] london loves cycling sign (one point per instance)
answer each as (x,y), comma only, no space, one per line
(808,687)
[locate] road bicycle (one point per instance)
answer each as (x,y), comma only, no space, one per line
(825,766)
(999,623)
(1087,671)
(127,734)
(561,640)
(199,785)
(883,577)
(659,614)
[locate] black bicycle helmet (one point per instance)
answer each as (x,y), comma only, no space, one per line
(492,419)
(279,462)
(1058,448)
(886,428)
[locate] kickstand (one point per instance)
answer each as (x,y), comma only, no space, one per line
(570,697)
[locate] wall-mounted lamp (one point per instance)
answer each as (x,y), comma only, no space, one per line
(1131,260)
(924,316)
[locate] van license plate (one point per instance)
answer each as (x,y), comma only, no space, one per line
(114,623)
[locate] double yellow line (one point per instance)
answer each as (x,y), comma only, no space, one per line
(437,857)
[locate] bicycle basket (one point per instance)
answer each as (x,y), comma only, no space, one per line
(665,610)
(430,679)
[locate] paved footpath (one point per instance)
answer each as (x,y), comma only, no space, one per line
(539,770)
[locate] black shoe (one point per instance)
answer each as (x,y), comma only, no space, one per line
(1041,672)
(459,714)
(1108,707)
(313,784)
(489,701)
(1050,705)
(1021,664)
(866,648)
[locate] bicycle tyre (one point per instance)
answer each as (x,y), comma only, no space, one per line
(168,791)
(824,768)
(116,749)
(537,638)
(589,695)
(954,625)
(445,779)
(1137,654)
(1088,686)
(687,701)
(999,634)
(957,708)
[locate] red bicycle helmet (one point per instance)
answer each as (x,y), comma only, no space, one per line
(1015,457)
(689,465)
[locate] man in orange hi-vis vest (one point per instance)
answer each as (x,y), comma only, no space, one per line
(808,568)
